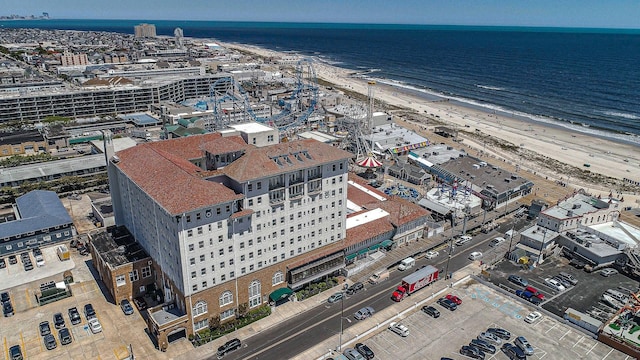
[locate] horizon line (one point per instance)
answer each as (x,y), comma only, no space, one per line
(342,23)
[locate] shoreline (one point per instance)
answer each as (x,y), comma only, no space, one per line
(585,152)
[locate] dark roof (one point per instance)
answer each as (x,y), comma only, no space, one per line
(18,137)
(117,247)
(38,210)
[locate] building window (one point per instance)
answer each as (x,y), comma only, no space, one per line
(146,272)
(199,325)
(191,247)
(133,275)
(199,230)
(189,233)
(194,287)
(202,257)
(226,298)
(226,314)
(120,280)
(250,202)
(259,185)
(204,284)
(201,244)
(277,278)
(255,295)
(203,271)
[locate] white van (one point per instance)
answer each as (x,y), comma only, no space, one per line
(407,263)
(510,234)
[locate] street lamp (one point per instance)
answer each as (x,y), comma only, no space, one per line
(341,318)
(544,235)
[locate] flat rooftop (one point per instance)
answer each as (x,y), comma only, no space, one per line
(251,127)
(51,168)
(576,205)
(622,232)
(439,153)
(117,247)
(485,176)
(389,136)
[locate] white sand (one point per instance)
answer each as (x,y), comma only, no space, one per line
(605,157)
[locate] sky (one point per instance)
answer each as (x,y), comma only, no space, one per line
(555,13)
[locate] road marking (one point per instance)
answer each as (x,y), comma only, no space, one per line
(565,334)
(26,291)
(578,342)
(551,328)
(6,348)
(22,345)
(609,353)
(593,347)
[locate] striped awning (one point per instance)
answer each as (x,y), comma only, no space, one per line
(369,162)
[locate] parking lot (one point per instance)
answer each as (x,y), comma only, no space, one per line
(482,308)
(585,296)
(118,330)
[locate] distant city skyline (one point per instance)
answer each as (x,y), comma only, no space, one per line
(568,13)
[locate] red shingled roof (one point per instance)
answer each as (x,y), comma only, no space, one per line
(169,178)
(190,147)
(261,162)
(367,231)
(401,211)
(224,145)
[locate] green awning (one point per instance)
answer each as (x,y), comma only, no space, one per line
(351,257)
(374,247)
(363,251)
(280,294)
(386,243)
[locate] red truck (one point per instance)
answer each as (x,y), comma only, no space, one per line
(415,282)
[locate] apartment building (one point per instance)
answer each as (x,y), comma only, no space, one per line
(144,31)
(70,59)
(224,220)
(35,106)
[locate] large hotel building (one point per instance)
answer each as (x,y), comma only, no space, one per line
(224,218)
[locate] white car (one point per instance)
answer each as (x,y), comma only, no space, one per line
(463,240)
(497,241)
(608,272)
(475,255)
(531,318)
(431,254)
(95,326)
(399,329)
(554,284)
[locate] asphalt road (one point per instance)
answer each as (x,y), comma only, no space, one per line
(304,331)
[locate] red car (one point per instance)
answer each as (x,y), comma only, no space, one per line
(454,299)
(535,292)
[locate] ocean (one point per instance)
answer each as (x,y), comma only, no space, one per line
(585,79)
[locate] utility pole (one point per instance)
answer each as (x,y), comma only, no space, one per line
(341,318)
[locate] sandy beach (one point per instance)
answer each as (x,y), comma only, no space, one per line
(584,152)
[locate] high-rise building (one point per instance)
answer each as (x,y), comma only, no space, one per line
(145,31)
(223,220)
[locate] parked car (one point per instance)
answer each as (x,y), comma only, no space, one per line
(501,333)
(65,336)
(431,254)
(483,345)
(3,263)
(126,307)
(562,281)
(554,284)
(355,288)
(36,251)
(365,351)
(28,266)
(364,313)
(535,300)
(50,342)
(430,310)
(608,272)
(7,309)
(335,297)
(229,346)
(577,263)
(13,260)
(497,241)
(448,304)
(475,255)
(89,313)
(518,280)
(15,353)
(352,354)
(532,317)
(45,329)
(399,329)
(141,303)
(95,326)
(74,316)
(58,320)
(537,293)
(570,278)
(472,352)
(523,344)
(490,338)
(513,352)
(456,300)
(4,297)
